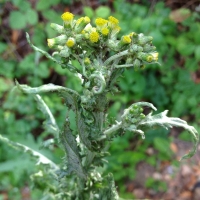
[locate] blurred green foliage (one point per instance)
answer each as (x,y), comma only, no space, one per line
(173,85)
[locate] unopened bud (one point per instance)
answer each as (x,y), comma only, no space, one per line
(60,40)
(87,61)
(142,116)
(58,28)
(70,42)
(81,24)
(136,64)
(135,48)
(149,48)
(129,60)
(144,39)
(146,57)
(112,44)
(65,52)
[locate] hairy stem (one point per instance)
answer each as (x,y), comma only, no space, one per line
(116,56)
(71,67)
(109,132)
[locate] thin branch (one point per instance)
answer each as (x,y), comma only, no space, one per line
(125,65)
(70,67)
(118,55)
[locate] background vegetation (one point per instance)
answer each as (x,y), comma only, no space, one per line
(173,85)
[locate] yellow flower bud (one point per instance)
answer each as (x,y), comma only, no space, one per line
(149,58)
(70,42)
(50,42)
(100,22)
(126,39)
(87,61)
(81,24)
(79,20)
(60,40)
(105,31)
(67,16)
(94,37)
(113,20)
(155,56)
(86,20)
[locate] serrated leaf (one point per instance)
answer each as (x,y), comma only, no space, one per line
(50,124)
(161,120)
(48,88)
(73,157)
(70,67)
(17,20)
(71,98)
(41,159)
(83,130)
(109,192)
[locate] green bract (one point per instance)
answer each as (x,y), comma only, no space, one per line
(102,57)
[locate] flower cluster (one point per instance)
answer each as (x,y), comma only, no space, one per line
(79,39)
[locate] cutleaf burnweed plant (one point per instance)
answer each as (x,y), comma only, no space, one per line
(103,56)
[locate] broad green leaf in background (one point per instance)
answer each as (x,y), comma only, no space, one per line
(197,53)
(103,11)
(31,17)
(3,47)
(17,20)
(22,5)
(163,146)
(41,159)
(43,5)
(184,46)
(88,11)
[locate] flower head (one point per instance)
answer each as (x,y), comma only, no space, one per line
(50,42)
(101,22)
(67,16)
(149,58)
(87,61)
(81,24)
(78,21)
(126,39)
(113,20)
(114,31)
(86,20)
(105,31)
(155,56)
(70,42)
(94,37)
(133,34)
(60,40)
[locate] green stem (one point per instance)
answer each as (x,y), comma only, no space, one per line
(71,67)
(118,55)
(102,81)
(45,88)
(109,132)
(81,63)
(126,65)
